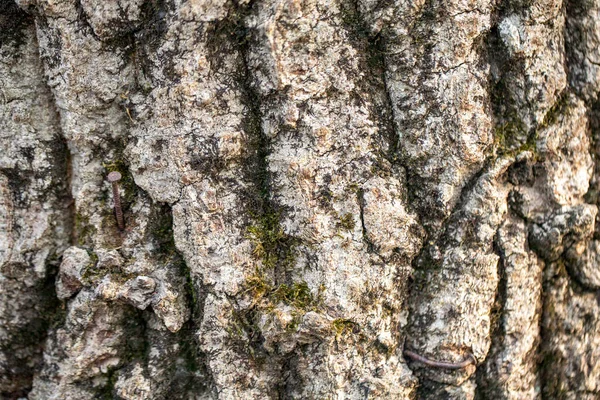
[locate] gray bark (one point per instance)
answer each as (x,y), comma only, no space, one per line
(310,188)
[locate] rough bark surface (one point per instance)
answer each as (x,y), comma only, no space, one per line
(310,188)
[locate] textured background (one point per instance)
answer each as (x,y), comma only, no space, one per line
(309,188)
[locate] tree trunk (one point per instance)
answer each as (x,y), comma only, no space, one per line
(315,193)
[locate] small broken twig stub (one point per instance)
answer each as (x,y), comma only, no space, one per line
(114,178)
(441,364)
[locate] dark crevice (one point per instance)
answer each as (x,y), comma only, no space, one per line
(13,21)
(574,279)
(154,14)
(456,214)
(509,129)
(432,212)
(30,338)
(510,137)
(372,59)
(556,269)
(69,200)
(231,36)
(37,308)
(277,249)
(124,33)
(49,311)
(51,53)
(486,387)
(371,248)
(82,20)
(423,262)
(62,183)
(162,236)
(443,237)
(373,46)
(148,39)
(365,235)
(573,34)
(545,356)
(227,38)
(261,143)
(575,37)
(185,378)
(593,194)
(136,348)
(550,359)
(287,366)
(263,213)
(192,376)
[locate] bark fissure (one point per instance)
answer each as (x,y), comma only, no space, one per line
(33,194)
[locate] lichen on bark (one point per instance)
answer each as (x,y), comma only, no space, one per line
(309,188)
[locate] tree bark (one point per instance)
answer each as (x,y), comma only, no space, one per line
(316,194)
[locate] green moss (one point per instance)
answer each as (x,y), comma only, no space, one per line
(511,136)
(266,235)
(292,326)
(266,296)
(507,134)
(353,188)
(342,326)
(510,131)
(271,244)
(84,231)
(245,332)
(508,138)
(257,286)
(297,295)
(189,284)
(93,258)
(347,222)
(90,273)
(235,328)
(560,107)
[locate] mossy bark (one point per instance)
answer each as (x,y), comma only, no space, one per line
(309,188)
